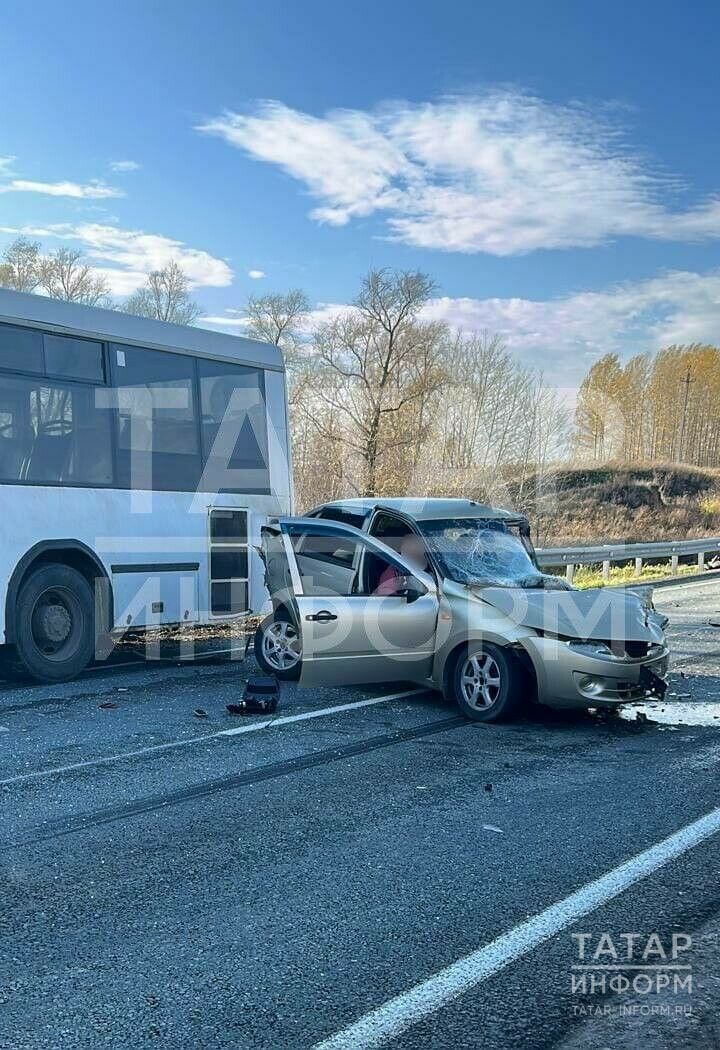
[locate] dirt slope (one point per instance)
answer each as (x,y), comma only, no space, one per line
(622,503)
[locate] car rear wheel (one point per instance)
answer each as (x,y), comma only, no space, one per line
(54,624)
(486,683)
(278,648)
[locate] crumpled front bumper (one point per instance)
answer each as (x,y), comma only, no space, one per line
(569,679)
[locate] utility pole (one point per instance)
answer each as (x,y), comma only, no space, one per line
(687,381)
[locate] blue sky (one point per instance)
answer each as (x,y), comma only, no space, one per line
(555,166)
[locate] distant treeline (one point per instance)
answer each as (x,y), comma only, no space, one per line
(661,407)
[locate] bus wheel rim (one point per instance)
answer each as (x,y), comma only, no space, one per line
(56,623)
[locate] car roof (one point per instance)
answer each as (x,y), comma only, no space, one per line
(426,508)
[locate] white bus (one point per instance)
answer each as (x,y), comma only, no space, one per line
(138,460)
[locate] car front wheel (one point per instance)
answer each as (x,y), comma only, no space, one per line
(486,683)
(278,649)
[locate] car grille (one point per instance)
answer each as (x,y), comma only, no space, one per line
(626,650)
(636,650)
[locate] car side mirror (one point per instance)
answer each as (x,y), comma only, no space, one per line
(411,589)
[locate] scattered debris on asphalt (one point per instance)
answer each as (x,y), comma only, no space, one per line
(491,827)
(487,787)
(200,712)
(108,705)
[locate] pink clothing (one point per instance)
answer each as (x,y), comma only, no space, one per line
(389,581)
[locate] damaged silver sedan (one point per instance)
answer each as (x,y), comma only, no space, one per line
(448,593)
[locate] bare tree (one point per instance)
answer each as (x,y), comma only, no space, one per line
(375,363)
(64,275)
(383,402)
(165,297)
(479,405)
(20,268)
(276,318)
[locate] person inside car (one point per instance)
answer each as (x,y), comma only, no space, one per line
(412,549)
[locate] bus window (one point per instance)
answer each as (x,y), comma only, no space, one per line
(21,349)
(158,445)
(234,428)
(74,358)
(52,434)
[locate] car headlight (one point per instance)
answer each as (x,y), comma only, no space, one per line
(590,648)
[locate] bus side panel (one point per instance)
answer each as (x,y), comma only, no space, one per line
(130,528)
(155,597)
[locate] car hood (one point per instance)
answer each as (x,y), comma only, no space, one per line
(597,614)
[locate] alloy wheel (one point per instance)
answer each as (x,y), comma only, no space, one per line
(281,645)
(480,680)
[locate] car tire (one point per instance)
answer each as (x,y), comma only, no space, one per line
(54,624)
(278,650)
(486,682)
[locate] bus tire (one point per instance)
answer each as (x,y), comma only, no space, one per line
(11,670)
(55,623)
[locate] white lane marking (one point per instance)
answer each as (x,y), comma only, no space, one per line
(253,727)
(304,715)
(398,1014)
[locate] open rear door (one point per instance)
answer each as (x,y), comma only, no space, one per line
(326,575)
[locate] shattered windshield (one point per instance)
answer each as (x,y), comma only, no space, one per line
(480,551)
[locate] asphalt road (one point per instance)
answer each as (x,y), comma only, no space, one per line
(168,885)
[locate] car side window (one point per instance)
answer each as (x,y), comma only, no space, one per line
(326,563)
(331,564)
(389,529)
(345,517)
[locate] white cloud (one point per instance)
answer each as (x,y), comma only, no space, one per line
(124,165)
(94,190)
(6,165)
(323,313)
(564,336)
(501,172)
(344,160)
(222,322)
(126,257)
(256,274)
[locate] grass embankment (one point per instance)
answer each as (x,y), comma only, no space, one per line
(621,503)
(591,575)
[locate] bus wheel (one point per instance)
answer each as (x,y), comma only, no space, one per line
(55,623)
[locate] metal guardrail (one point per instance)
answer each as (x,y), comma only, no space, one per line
(612,553)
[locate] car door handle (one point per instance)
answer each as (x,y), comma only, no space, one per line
(324,616)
